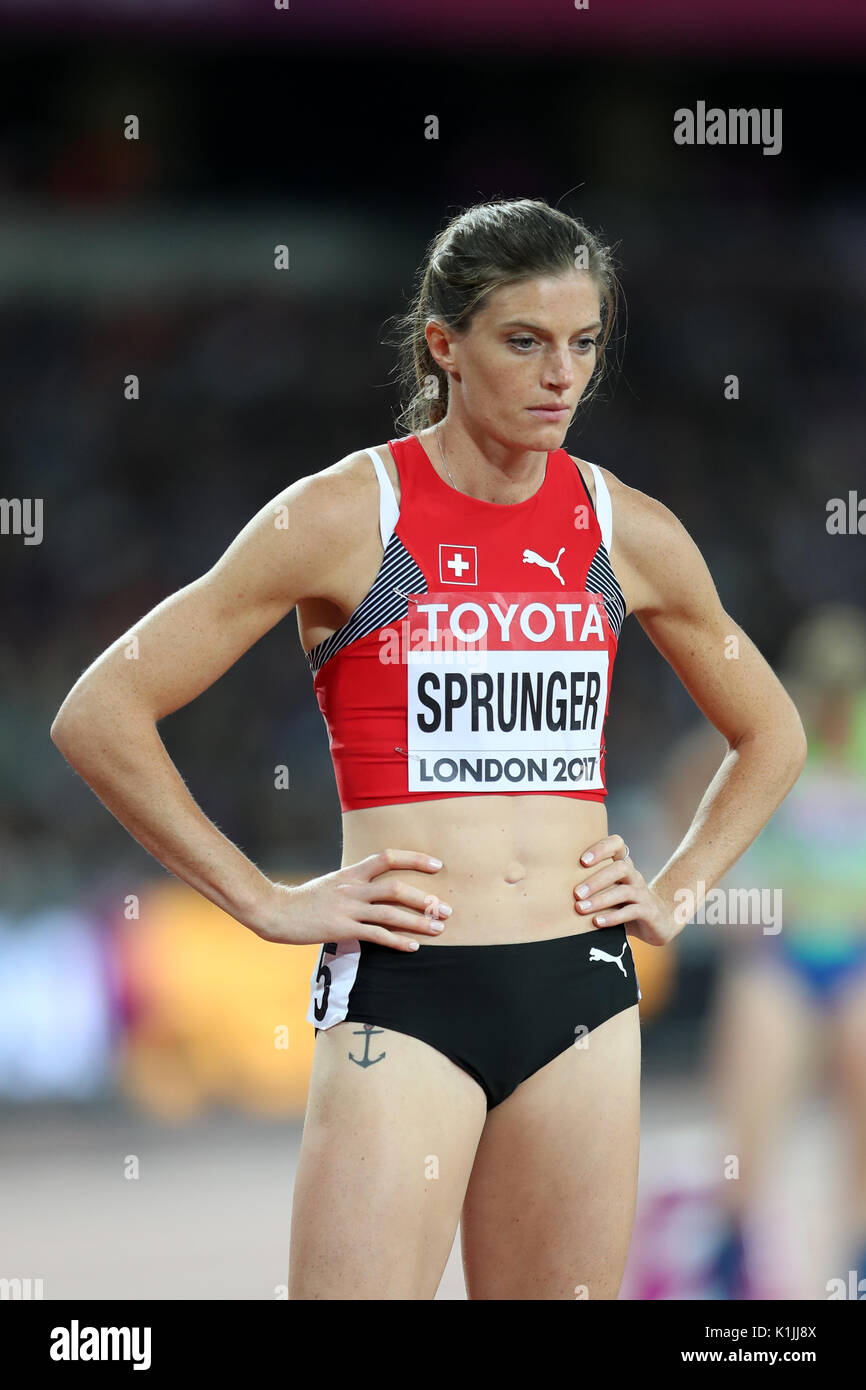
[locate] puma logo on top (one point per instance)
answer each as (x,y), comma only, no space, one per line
(531,557)
(596,953)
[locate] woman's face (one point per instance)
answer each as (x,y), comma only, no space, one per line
(530,345)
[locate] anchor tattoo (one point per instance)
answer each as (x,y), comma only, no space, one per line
(367,1060)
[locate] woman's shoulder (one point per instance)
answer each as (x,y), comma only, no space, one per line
(336,507)
(647,537)
(356,475)
(351,478)
(632,509)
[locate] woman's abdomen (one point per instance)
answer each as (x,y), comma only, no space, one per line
(510,862)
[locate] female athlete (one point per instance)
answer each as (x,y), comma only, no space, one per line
(460,592)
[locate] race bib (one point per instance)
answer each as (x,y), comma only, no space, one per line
(506,691)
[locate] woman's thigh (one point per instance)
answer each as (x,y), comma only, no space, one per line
(390,1133)
(550,1203)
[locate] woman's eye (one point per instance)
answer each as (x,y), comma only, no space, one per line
(585,344)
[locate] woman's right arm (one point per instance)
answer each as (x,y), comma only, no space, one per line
(106,726)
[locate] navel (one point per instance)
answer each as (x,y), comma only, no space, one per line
(515,872)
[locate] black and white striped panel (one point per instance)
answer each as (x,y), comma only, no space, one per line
(600,579)
(399,571)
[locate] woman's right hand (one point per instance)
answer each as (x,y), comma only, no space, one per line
(350,904)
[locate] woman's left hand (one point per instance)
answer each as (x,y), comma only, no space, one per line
(618,893)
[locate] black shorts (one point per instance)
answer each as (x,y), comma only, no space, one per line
(500,1012)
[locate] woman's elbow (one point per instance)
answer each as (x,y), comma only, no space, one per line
(72,720)
(787,736)
(790,744)
(61,731)
(799,746)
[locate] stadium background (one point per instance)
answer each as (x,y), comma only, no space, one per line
(134,1015)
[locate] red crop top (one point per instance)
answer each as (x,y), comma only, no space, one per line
(480,660)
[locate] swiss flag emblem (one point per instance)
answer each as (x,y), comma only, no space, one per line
(458,564)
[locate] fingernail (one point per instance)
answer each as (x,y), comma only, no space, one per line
(437,926)
(445,909)
(587,857)
(584,907)
(582,891)
(437,863)
(413,945)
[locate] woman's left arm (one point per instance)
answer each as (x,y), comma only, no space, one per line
(670,590)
